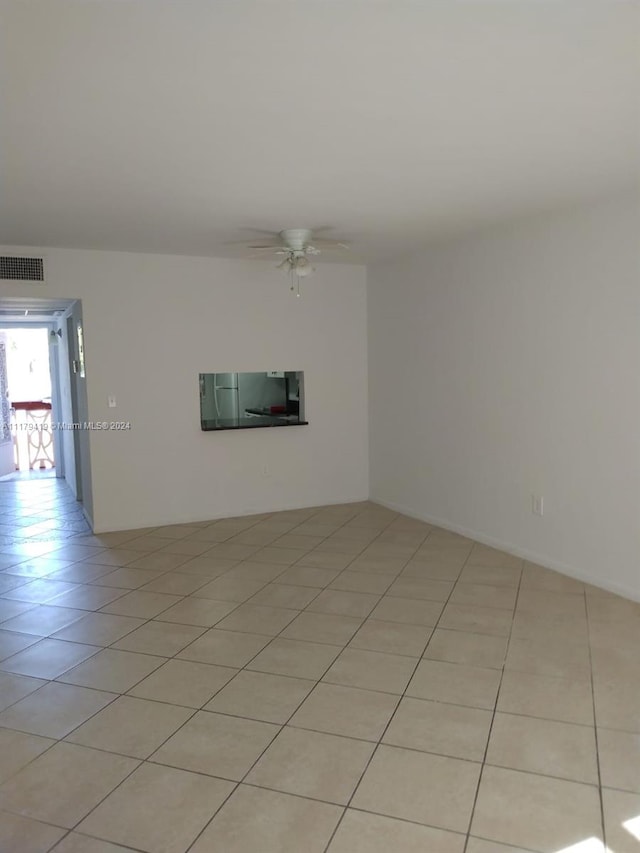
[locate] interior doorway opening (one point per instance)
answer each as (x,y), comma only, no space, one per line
(43,396)
(29,381)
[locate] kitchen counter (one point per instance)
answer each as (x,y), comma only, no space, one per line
(269,414)
(251,422)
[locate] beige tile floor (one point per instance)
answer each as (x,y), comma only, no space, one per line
(339,679)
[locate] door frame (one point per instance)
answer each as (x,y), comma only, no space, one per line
(7,452)
(75,417)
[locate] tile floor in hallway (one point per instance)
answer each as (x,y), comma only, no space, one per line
(37,507)
(338,679)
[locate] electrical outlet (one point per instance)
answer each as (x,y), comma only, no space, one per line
(537,504)
(111,401)
(265,470)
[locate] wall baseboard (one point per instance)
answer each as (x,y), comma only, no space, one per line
(88,518)
(524,553)
(232,512)
(532,556)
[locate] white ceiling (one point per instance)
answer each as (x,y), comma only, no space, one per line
(178,126)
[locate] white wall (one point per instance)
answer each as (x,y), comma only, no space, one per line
(508,363)
(152,323)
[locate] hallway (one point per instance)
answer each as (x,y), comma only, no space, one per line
(37,508)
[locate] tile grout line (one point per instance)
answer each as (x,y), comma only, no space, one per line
(494,712)
(400,698)
(595,725)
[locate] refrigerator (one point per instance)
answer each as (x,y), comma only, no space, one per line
(225,395)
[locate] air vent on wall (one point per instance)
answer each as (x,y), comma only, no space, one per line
(13,268)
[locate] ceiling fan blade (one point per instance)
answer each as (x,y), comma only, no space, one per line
(321,228)
(256,234)
(263,241)
(265,246)
(262,255)
(276,250)
(329,244)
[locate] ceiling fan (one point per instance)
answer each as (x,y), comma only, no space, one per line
(296,246)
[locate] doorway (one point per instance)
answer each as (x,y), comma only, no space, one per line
(27,374)
(45,474)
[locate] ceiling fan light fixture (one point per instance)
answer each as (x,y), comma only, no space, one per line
(303,267)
